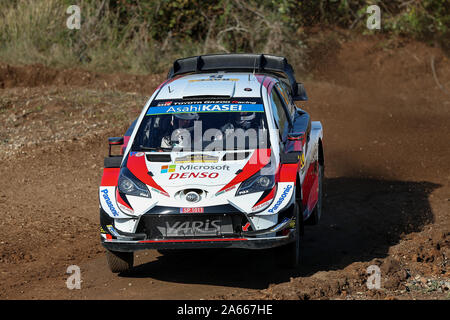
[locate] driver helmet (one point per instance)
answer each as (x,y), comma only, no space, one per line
(244,119)
(186,120)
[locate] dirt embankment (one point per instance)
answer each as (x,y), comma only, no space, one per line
(39,75)
(386,117)
(386,126)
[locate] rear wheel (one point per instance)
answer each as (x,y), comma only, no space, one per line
(119,261)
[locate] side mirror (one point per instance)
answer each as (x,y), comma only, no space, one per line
(290,157)
(299,111)
(114,141)
(301,93)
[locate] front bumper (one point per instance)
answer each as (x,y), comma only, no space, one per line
(240,242)
(147,237)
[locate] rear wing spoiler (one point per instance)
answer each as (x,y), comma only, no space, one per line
(260,63)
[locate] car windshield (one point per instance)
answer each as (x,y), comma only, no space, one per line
(208,124)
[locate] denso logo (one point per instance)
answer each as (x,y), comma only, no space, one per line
(109,203)
(191,175)
(281,199)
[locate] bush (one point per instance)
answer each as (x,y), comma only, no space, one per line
(146,36)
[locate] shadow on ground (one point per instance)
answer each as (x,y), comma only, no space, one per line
(362,219)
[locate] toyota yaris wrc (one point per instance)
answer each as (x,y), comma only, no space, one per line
(220,157)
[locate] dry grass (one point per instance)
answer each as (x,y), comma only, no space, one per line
(34,31)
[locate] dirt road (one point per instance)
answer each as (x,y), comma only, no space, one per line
(386,126)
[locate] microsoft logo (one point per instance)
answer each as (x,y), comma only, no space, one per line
(171,168)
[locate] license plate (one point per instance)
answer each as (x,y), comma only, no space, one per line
(192,210)
(196,226)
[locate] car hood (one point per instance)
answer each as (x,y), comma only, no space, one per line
(216,168)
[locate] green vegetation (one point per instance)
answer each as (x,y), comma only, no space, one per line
(145,36)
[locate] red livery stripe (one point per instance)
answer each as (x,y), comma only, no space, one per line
(267,198)
(288,172)
(313,195)
(309,186)
(122,201)
(110,177)
(259,160)
(138,167)
(193,240)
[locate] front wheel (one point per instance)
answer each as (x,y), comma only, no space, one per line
(294,250)
(119,261)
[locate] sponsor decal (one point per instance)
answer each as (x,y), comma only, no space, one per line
(160,103)
(302,160)
(102,231)
(171,168)
(196,158)
(281,224)
(109,202)
(189,227)
(226,190)
(224,79)
(136,154)
(214,78)
(191,167)
(125,208)
(161,192)
(281,199)
(192,175)
(262,205)
(112,230)
(192,210)
(202,108)
(164,104)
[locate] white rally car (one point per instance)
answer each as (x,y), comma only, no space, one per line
(220,157)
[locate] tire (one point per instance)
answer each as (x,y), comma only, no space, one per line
(119,261)
(293,251)
(314,219)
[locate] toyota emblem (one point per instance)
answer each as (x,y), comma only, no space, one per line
(192,196)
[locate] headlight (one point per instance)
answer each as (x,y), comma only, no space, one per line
(256,183)
(130,185)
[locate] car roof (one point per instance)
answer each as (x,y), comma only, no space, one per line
(241,62)
(217,84)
